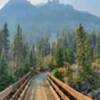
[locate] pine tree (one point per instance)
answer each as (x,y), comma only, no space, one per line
(60,50)
(93,41)
(5,77)
(20,54)
(53,49)
(18,47)
(98,47)
(3,64)
(33,58)
(4,41)
(65,39)
(1,42)
(43,46)
(83,53)
(25,52)
(69,56)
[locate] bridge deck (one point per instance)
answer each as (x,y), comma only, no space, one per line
(39,89)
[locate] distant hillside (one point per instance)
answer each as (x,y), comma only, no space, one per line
(46,18)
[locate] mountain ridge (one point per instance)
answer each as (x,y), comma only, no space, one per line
(48,18)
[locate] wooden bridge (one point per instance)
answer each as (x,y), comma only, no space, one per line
(42,86)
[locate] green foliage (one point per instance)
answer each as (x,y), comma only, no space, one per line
(5,78)
(18,47)
(53,49)
(33,57)
(69,73)
(98,46)
(43,50)
(84,55)
(64,40)
(43,46)
(39,63)
(20,54)
(97,61)
(4,41)
(60,53)
(5,81)
(3,64)
(59,57)
(63,51)
(22,70)
(69,56)
(58,74)
(52,65)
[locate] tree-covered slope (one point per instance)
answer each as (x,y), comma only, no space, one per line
(48,18)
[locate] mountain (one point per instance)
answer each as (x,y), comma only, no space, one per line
(48,18)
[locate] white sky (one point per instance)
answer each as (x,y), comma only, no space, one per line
(37,1)
(3,2)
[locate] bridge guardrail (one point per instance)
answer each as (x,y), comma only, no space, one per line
(11,90)
(64,91)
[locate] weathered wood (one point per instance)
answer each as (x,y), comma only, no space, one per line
(22,95)
(19,91)
(68,90)
(61,94)
(7,93)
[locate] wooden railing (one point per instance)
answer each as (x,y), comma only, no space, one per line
(64,91)
(14,91)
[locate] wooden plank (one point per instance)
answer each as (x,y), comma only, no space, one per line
(13,88)
(77,95)
(24,91)
(19,91)
(61,94)
(54,92)
(6,92)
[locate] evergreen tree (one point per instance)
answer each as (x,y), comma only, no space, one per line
(25,52)
(98,46)
(93,41)
(66,48)
(5,78)
(18,47)
(59,58)
(1,42)
(43,46)
(4,41)
(33,58)
(20,54)
(3,64)
(65,39)
(60,50)
(83,53)
(69,56)
(53,49)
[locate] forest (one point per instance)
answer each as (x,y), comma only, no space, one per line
(73,57)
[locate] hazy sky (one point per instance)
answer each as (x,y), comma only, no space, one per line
(92,6)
